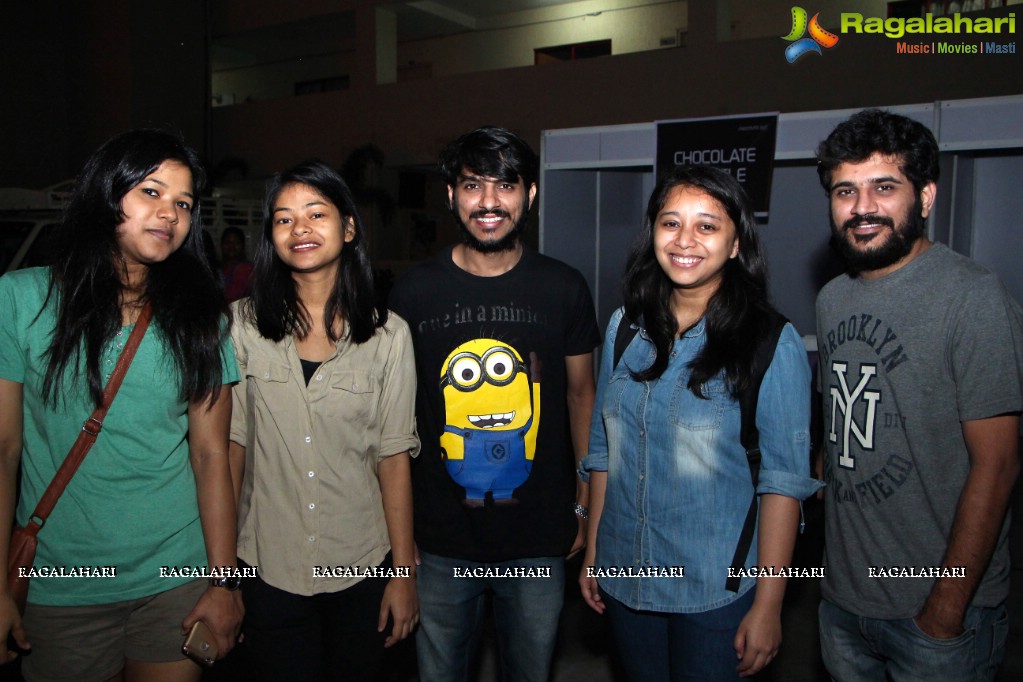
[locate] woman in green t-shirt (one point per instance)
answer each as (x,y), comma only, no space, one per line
(152,505)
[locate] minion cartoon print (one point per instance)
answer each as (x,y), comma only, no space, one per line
(492,415)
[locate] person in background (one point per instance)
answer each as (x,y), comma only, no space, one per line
(235,267)
(670,484)
(322,433)
(155,490)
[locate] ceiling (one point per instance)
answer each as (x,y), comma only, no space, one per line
(467,13)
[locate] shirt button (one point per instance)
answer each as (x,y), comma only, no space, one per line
(642,476)
(312,506)
(308,439)
(312,538)
(311,474)
(319,377)
(267,375)
(642,432)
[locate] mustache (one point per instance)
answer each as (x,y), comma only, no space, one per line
(483,212)
(856,221)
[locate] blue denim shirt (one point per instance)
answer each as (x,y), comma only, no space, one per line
(678,484)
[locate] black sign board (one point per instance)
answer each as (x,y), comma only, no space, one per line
(741,145)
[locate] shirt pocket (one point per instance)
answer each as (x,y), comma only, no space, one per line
(691,412)
(262,370)
(357,392)
(613,395)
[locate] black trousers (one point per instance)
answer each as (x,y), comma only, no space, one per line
(331,636)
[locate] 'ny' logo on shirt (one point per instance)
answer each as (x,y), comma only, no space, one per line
(844,401)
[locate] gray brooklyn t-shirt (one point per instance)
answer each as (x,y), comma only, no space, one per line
(903,360)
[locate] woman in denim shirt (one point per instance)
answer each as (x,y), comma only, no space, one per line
(669,481)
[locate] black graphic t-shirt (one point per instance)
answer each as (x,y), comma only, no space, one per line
(495,479)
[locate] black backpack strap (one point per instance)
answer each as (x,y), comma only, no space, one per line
(624,335)
(749,436)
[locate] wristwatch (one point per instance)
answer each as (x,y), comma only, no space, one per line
(232,582)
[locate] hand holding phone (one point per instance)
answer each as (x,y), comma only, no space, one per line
(200,645)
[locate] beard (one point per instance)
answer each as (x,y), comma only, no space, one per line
(508,242)
(897,246)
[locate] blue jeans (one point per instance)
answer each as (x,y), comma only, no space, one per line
(857,648)
(526,612)
(662,647)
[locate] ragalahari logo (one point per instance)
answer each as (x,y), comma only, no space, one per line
(818,36)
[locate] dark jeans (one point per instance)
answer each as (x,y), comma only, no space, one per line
(331,636)
(526,612)
(860,648)
(663,647)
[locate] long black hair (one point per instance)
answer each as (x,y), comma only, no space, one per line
(275,305)
(86,281)
(738,313)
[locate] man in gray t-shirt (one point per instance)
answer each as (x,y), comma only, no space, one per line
(920,355)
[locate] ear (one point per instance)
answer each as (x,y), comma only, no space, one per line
(735,248)
(451,196)
(927,195)
(532,195)
(349,234)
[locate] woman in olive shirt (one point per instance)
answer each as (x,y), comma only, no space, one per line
(323,427)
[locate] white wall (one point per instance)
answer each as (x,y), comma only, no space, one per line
(500,42)
(997,207)
(630,30)
(270,81)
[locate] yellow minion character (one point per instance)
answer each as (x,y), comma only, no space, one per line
(492,415)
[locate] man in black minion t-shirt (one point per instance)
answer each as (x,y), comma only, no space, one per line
(503,339)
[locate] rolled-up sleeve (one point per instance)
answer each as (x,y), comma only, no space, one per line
(239,408)
(398,401)
(596,458)
(783,420)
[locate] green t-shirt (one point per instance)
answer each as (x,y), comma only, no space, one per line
(132,504)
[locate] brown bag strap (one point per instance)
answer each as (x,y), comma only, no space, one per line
(92,425)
